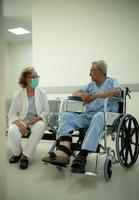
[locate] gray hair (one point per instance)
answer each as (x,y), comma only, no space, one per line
(101,65)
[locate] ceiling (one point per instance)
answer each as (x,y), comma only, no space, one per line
(17,13)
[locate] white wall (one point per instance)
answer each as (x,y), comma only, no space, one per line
(69,34)
(2,114)
(17,57)
(132,105)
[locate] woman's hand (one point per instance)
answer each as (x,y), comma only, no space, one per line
(33,120)
(22,128)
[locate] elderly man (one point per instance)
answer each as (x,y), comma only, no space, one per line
(93,96)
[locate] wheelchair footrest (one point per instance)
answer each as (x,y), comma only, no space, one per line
(77,147)
(49,136)
(91,173)
(58,164)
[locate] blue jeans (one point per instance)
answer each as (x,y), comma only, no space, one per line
(72,121)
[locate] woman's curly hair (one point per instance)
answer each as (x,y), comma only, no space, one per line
(24,74)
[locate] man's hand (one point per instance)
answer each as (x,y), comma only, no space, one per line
(86,97)
(89,97)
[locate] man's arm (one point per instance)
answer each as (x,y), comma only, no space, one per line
(114,92)
(92,97)
(87,98)
(81,94)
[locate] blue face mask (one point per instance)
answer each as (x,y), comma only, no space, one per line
(34,83)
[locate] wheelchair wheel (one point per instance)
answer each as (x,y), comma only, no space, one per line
(127,141)
(108,169)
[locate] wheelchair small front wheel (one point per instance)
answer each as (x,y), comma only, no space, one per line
(108,169)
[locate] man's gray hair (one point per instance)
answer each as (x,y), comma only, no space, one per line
(101,65)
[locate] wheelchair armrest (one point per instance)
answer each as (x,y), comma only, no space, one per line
(118,99)
(74,98)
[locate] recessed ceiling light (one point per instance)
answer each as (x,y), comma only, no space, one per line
(18,31)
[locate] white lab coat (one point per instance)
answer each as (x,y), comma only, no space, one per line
(19,106)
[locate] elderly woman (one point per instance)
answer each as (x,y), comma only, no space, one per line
(27,117)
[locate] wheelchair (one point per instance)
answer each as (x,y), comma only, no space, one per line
(120,127)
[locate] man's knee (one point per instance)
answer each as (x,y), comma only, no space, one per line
(66,116)
(99,117)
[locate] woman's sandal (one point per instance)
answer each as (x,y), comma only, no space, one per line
(78,164)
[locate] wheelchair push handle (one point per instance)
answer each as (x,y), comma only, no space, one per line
(127,92)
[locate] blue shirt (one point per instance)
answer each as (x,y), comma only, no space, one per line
(98,104)
(31,109)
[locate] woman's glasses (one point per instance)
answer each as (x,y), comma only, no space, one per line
(34,77)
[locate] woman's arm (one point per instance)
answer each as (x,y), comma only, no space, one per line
(13,111)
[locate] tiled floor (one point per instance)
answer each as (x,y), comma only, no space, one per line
(41,182)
